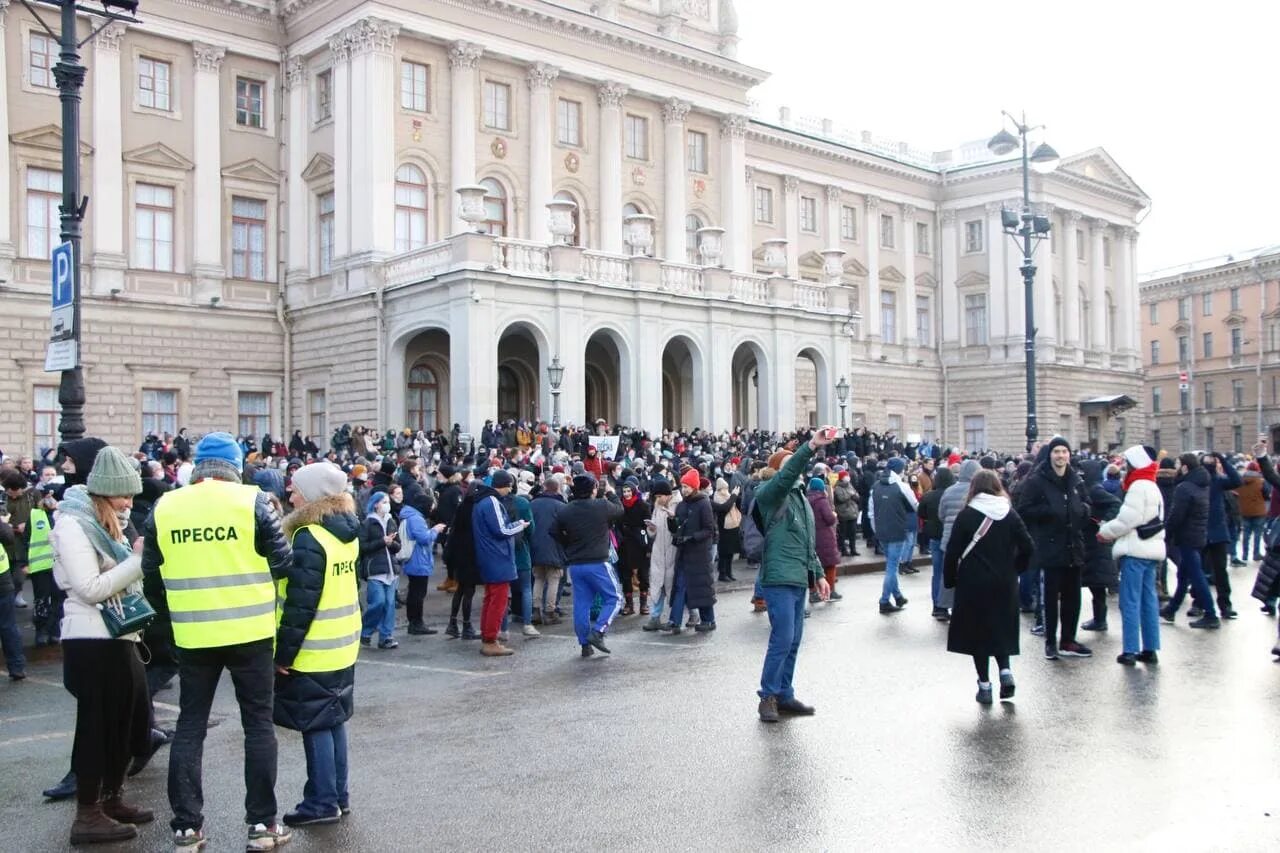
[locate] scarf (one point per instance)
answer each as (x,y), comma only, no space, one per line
(1148,473)
(77,504)
(631,501)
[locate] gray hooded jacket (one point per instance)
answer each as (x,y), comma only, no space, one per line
(953,498)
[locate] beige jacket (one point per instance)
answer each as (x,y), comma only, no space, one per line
(88,579)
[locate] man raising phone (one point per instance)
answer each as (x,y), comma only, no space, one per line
(787,569)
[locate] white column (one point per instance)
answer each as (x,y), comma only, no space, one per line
(8,249)
(464,57)
(907,324)
(872,229)
(297,268)
(998,330)
(340,47)
(1126,293)
(717,380)
(206,126)
(374,85)
(107,209)
(791,213)
(648,381)
(610,97)
(473,392)
(541,76)
(950,306)
(1098,286)
(735,194)
(833,217)
(674,113)
(1070,279)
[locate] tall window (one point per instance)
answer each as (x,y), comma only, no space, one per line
(764,204)
(1155,352)
(153,227)
(414,77)
(316,411)
(248,238)
(154,83)
(1156,396)
(1235,298)
(324,95)
(808,214)
(888,317)
(423,394)
(1184,437)
(1237,393)
(249,101)
(1206,304)
(44,195)
(929,428)
(1153,313)
(1208,395)
(975,319)
(495,208)
(1237,439)
(575,239)
(894,423)
(411,208)
(44,417)
(691,225)
(497,105)
(924,331)
(1184,308)
(923,244)
(159,411)
(568,122)
(886,231)
(1237,340)
(42,54)
(975,432)
(253,410)
(697,145)
(1207,344)
(324,228)
(1183,349)
(848,223)
(1184,398)
(973,236)
(636,137)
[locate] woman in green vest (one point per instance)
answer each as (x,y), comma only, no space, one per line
(318,640)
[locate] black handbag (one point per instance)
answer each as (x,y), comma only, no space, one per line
(1150,528)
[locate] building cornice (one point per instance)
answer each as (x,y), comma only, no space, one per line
(971,174)
(799,141)
(257,11)
(1230,274)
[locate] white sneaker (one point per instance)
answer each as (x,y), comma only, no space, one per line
(188,840)
(531,632)
(20,602)
(263,837)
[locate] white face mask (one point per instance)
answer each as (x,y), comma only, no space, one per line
(383,508)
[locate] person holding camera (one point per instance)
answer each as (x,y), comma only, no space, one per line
(1138,534)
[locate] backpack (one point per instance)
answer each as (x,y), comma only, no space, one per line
(754,530)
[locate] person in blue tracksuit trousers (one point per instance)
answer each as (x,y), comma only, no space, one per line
(582,527)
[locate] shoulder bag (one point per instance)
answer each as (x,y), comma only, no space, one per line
(977,534)
(126,612)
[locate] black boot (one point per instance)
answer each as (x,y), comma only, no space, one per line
(452,630)
(64,789)
(469,633)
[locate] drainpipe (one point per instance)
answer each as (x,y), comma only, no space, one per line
(282,163)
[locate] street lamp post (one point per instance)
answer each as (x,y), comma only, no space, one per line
(842,394)
(1027,230)
(555,375)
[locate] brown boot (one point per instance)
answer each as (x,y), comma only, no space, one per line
(114,807)
(494,650)
(93,827)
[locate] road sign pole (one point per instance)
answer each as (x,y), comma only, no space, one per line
(69,74)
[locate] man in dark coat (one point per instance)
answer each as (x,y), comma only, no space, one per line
(693,529)
(1186,527)
(1055,507)
(1100,572)
(1220,535)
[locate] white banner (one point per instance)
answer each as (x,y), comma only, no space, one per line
(606,445)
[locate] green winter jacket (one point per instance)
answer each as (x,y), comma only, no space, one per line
(789,557)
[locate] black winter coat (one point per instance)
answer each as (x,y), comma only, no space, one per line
(984,619)
(375,553)
(633,539)
(694,528)
(1187,524)
(1099,567)
(311,701)
(1054,510)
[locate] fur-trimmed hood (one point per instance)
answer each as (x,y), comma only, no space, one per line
(335,513)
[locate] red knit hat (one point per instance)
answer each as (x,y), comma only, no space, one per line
(690,479)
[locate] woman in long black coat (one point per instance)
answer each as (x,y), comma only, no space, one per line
(1100,571)
(695,527)
(633,549)
(984,620)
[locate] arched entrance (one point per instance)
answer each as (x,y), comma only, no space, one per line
(682,385)
(426,388)
(602,378)
(519,378)
(750,386)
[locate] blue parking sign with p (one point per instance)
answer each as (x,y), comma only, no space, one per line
(63,269)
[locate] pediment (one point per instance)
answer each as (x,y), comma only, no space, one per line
(1181,327)
(758,254)
(973,279)
(321,166)
(812,259)
(252,170)
(1235,318)
(1096,164)
(926,280)
(892,274)
(48,137)
(852,266)
(159,154)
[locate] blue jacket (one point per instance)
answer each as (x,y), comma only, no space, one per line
(545,548)
(422,562)
(494,537)
(1218,484)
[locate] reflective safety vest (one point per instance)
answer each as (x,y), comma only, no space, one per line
(333,639)
(218,587)
(39,551)
(4,560)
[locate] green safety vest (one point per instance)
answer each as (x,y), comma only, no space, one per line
(333,639)
(39,551)
(218,587)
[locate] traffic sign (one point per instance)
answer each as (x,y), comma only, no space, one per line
(1184,386)
(63,268)
(1182,377)
(62,355)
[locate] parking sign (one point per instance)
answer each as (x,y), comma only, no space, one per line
(64,265)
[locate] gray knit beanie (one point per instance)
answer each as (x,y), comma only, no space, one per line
(114,475)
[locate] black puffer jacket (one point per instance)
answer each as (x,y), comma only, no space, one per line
(930,504)
(152,490)
(310,701)
(1187,524)
(375,553)
(1055,510)
(694,527)
(583,528)
(1099,567)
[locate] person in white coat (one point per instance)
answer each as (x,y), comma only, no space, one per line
(1138,534)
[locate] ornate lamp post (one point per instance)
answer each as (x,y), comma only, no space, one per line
(842,394)
(555,375)
(1027,230)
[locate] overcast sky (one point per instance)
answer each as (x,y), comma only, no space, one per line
(1182,94)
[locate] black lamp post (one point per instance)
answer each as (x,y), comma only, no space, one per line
(1027,230)
(842,394)
(555,375)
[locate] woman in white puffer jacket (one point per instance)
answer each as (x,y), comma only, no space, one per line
(1138,557)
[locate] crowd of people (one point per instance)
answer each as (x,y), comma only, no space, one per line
(249,557)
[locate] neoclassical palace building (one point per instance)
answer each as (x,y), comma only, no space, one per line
(310,212)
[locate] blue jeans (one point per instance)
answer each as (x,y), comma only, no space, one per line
(326,788)
(894,553)
(786,629)
(589,581)
(1191,576)
(10,636)
(1029,593)
(942,597)
(1253,531)
(1139,607)
(706,614)
(379,610)
(524,580)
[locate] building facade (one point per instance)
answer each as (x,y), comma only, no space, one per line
(310,212)
(1211,343)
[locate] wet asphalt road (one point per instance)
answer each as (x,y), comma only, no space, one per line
(659,748)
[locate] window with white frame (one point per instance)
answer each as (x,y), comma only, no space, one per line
(316,413)
(1157,398)
(975,432)
(153,227)
(159,411)
(568,122)
(808,214)
(894,423)
(696,142)
(764,204)
(1206,344)
(924,328)
(250,100)
(1184,308)
(973,236)
(414,77)
(691,225)
(886,232)
(324,230)
(1237,340)
(636,137)
(1206,304)
(923,245)
(929,428)
(848,222)
(495,208)
(324,95)
(497,105)
(1237,393)
(1155,352)
(248,238)
(44,196)
(1184,349)
(975,319)
(253,412)
(411,208)
(1235,298)
(42,55)
(45,412)
(154,83)
(888,316)
(1153,313)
